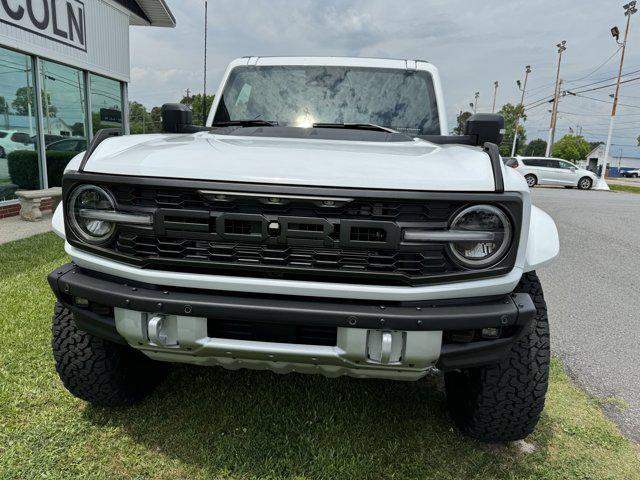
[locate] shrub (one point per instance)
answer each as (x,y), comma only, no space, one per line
(24,171)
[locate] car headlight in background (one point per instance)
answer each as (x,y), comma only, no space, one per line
(93,217)
(484,233)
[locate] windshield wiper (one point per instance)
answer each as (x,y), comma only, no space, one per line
(250,122)
(355,126)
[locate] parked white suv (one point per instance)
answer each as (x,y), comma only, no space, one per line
(552,171)
(12,140)
(322,222)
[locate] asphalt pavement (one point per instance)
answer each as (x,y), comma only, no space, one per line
(593,295)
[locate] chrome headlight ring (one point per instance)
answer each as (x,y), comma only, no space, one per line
(91,198)
(482,220)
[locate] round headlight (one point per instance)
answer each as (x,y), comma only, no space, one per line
(489,235)
(85,204)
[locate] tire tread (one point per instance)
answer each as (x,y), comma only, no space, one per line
(98,371)
(503,402)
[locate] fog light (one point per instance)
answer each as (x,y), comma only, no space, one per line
(491,332)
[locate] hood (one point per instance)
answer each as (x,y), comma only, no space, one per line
(412,165)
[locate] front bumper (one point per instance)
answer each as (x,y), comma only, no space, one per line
(417,335)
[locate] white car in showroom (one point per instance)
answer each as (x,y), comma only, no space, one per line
(552,171)
(11,140)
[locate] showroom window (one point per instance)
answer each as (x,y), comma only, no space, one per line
(19,161)
(59,115)
(106,103)
(64,118)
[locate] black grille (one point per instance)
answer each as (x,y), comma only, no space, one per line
(355,240)
(332,235)
(268,332)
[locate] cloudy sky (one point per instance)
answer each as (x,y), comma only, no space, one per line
(473,44)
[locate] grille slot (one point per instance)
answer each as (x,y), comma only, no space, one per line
(366,234)
(429,261)
(241,227)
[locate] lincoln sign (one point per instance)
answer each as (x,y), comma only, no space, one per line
(59,20)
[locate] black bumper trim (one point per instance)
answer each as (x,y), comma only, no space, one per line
(515,309)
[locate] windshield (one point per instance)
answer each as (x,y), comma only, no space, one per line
(300,96)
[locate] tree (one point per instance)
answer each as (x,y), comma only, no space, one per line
(509,112)
(195,103)
(572,147)
(141,121)
(595,144)
(4,106)
(77,129)
(536,148)
(461,120)
(24,98)
(156,115)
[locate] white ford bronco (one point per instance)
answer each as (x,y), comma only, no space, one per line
(323,221)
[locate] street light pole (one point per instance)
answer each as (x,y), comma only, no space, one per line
(556,93)
(520,107)
(629,9)
(495,94)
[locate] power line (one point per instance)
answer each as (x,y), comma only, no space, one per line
(609,85)
(598,67)
(605,101)
(600,114)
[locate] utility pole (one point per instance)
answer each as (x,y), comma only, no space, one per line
(629,9)
(527,71)
(204,89)
(495,94)
(554,112)
(556,93)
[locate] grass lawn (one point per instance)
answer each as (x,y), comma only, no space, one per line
(624,188)
(211,423)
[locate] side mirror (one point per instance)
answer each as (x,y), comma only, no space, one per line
(176,117)
(485,127)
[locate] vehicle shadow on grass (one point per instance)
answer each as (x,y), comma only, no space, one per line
(260,424)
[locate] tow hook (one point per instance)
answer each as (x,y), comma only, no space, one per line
(162,331)
(385,347)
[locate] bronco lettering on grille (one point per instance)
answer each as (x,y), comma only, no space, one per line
(303,231)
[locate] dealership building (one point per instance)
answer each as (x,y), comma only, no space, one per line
(64,70)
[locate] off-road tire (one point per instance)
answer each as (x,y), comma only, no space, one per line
(503,402)
(98,371)
(585,183)
(531,179)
